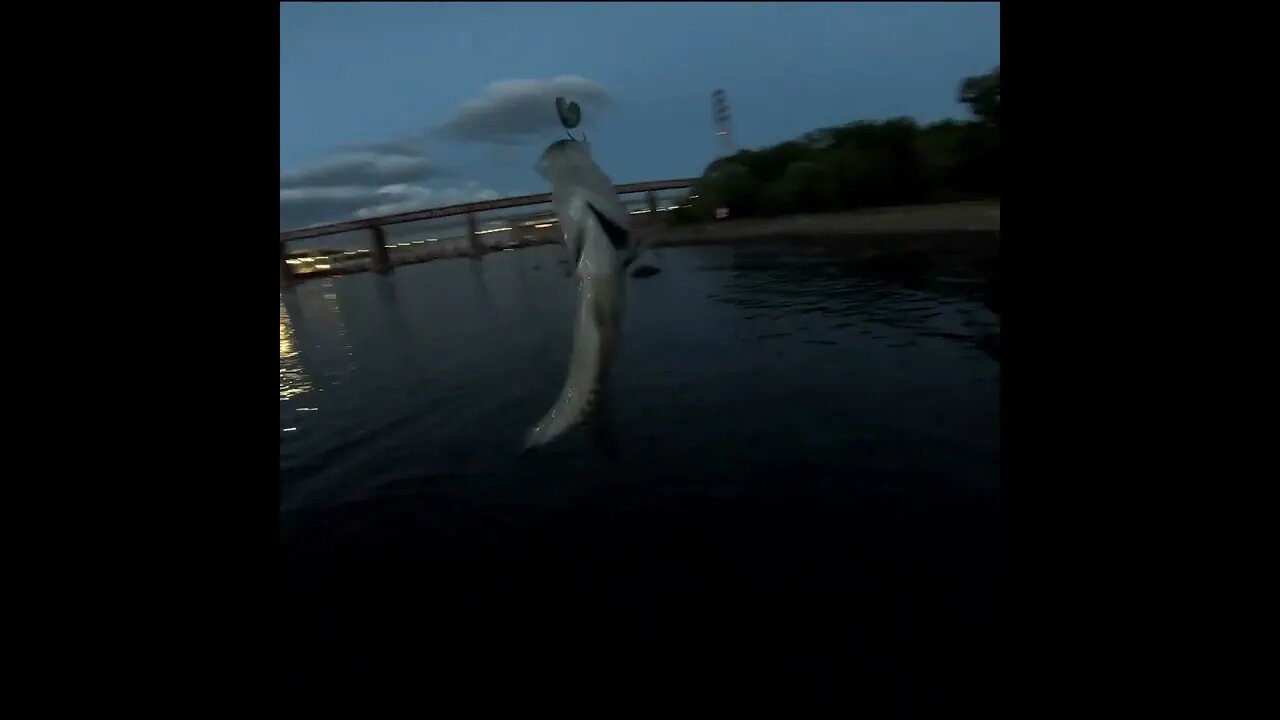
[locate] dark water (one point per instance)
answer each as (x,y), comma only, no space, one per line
(805,492)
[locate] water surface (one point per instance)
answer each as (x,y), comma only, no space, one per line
(805,482)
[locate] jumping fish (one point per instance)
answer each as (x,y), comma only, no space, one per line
(600,245)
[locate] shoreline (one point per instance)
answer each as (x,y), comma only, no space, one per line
(981,216)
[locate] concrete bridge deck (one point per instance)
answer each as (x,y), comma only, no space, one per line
(381,255)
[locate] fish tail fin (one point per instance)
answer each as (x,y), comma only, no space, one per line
(594,337)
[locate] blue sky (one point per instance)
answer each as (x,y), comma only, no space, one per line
(395,107)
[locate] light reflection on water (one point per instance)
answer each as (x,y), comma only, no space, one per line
(293,379)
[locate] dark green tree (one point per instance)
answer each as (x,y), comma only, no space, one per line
(982,94)
(863,163)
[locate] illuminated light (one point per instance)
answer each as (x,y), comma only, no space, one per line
(418,242)
(403,244)
(543,225)
(307,409)
(320,257)
(290,429)
(692,197)
(637,212)
(311,260)
(323,266)
(494,230)
(293,381)
(723,132)
(349,252)
(431,239)
(294,261)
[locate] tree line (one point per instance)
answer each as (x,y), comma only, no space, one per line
(863,164)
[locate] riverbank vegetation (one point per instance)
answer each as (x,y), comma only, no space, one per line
(863,164)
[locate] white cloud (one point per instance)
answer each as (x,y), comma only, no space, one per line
(510,111)
(309,194)
(394,199)
(377,179)
(369,181)
(363,169)
(303,207)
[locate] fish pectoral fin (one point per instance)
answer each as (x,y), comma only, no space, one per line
(619,237)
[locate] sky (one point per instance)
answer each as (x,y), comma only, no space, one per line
(402,106)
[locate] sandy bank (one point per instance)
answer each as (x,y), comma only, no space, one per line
(980,216)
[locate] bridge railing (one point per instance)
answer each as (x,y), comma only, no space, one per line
(380,259)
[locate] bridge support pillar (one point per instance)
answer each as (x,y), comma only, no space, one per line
(653,201)
(473,236)
(379,260)
(286,272)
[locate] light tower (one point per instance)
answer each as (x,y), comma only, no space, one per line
(720,120)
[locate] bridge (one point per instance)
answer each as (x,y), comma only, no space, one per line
(378,255)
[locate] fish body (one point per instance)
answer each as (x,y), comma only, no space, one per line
(600,245)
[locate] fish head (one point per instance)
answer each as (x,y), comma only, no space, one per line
(564,158)
(595,224)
